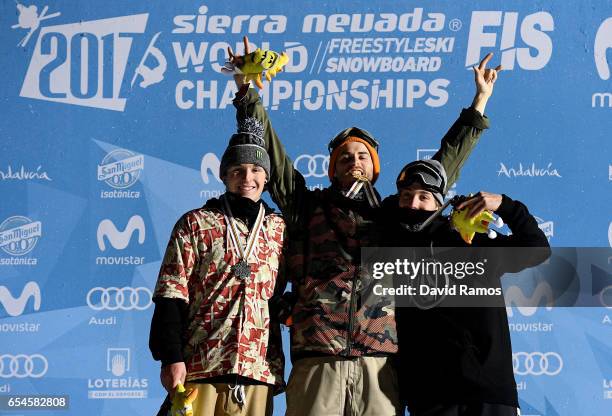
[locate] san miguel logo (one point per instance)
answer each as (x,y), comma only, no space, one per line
(84,63)
(120,169)
(18,237)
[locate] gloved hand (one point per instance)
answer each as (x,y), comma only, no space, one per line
(253,64)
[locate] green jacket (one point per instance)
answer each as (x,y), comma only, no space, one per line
(336,312)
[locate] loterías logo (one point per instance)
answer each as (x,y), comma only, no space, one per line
(84,63)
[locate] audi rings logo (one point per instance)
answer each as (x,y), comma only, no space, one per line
(312,166)
(537,363)
(22,366)
(119,298)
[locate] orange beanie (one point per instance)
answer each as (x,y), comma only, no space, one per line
(336,152)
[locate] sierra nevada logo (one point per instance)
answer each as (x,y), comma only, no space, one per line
(84,63)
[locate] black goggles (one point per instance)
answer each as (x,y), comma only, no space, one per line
(422,172)
(352,131)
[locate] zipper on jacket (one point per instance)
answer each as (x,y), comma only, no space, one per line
(349,335)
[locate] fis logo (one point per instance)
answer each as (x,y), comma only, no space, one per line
(485,28)
(120,239)
(19,235)
(120,168)
(16,306)
(603,42)
(85,63)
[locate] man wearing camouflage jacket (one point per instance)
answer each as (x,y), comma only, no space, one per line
(342,338)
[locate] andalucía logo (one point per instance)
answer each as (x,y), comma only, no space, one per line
(19,235)
(23,174)
(84,63)
(120,169)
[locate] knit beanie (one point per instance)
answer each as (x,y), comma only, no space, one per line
(246,146)
(353,134)
(429,173)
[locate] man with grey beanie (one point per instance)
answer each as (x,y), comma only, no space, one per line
(212,328)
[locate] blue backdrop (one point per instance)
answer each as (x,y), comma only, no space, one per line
(115,114)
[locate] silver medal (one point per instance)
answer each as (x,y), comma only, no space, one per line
(242,270)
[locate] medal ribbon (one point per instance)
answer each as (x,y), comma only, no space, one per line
(232,230)
(368,190)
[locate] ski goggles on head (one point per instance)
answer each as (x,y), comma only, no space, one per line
(424,173)
(352,131)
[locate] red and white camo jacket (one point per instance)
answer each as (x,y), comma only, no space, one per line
(229,322)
